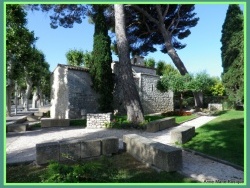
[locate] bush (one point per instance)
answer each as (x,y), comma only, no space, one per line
(92,171)
(78,122)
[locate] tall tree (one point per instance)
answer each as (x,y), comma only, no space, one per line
(232,53)
(32,65)
(130,93)
(67,15)
(18,42)
(164,25)
(100,69)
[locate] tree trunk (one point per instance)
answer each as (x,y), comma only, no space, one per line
(198,103)
(34,99)
(181,102)
(9,91)
(176,60)
(27,94)
(130,93)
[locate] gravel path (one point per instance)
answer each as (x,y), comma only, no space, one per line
(20,147)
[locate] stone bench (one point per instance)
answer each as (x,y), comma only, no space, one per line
(49,122)
(183,134)
(75,149)
(153,153)
(160,124)
(16,127)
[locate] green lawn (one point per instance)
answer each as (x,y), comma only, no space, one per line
(222,137)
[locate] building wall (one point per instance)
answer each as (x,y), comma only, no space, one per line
(59,94)
(81,95)
(154,101)
(72,94)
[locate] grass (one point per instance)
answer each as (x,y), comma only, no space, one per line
(222,137)
(181,119)
(121,121)
(129,171)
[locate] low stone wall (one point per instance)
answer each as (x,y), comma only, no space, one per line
(98,120)
(181,135)
(160,124)
(75,149)
(162,156)
(49,122)
(215,106)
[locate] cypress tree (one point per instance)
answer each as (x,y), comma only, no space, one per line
(100,70)
(233,24)
(232,53)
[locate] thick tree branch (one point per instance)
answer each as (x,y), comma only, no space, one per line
(160,16)
(145,13)
(166,11)
(178,20)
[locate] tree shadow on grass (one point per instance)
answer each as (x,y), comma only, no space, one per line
(224,140)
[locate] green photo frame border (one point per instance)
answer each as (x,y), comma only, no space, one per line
(3,96)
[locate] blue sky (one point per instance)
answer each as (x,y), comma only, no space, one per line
(202,52)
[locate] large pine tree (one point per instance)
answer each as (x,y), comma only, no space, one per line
(100,70)
(232,53)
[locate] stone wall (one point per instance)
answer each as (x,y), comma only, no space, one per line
(154,101)
(98,120)
(75,149)
(59,94)
(81,95)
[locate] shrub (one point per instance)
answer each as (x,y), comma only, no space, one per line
(92,171)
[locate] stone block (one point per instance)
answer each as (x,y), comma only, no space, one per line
(167,158)
(90,148)
(162,156)
(33,118)
(166,123)
(49,122)
(39,114)
(70,149)
(16,127)
(46,152)
(183,134)
(21,119)
(160,124)
(215,106)
(110,145)
(98,120)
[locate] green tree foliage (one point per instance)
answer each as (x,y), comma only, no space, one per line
(165,68)
(150,63)
(232,53)
(176,83)
(100,70)
(75,57)
(200,82)
(217,88)
(18,45)
(79,58)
